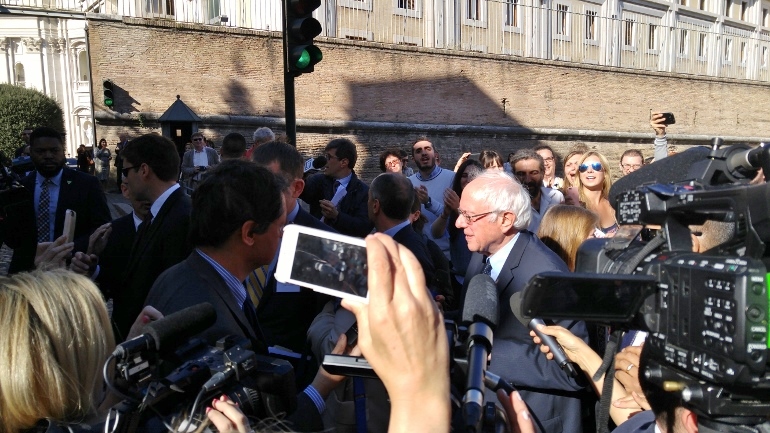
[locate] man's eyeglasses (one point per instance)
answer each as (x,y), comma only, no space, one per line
(632,166)
(330,156)
(470,219)
(596,166)
(392,163)
(197,139)
(124,171)
(549,159)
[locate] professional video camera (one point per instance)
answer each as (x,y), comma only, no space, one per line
(707,313)
(162,386)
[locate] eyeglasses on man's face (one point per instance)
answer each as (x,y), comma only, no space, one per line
(470,219)
(124,171)
(632,166)
(596,166)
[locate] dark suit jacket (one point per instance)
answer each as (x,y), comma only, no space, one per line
(547,390)
(353,219)
(414,243)
(194,281)
(286,317)
(80,192)
(116,255)
(165,244)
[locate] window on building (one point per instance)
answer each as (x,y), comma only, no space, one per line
(744,10)
(474,10)
(684,42)
(683,2)
(728,55)
(764,56)
(406,4)
(728,6)
(21,77)
(591,25)
(702,45)
(744,53)
(766,17)
(702,5)
(562,19)
(213,9)
(652,37)
(512,13)
(629,28)
(159,7)
(82,66)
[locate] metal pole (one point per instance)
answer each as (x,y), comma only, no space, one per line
(290,110)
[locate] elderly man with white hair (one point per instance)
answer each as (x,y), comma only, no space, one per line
(261,136)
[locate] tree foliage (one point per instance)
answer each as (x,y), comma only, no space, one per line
(21,107)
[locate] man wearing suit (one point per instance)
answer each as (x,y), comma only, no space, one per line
(236,226)
(150,171)
(529,168)
(337,195)
(123,141)
(198,160)
(54,189)
(391,197)
(285,311)
(494,213)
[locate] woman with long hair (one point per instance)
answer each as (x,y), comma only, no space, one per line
(571,162)
(491,160)
(594,182)
(563,228)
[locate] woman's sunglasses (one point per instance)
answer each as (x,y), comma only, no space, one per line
(597,166)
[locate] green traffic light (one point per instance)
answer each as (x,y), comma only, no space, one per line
(108,102)
(303,61)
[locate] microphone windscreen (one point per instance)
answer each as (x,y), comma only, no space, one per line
(320,162)
(176,328)
(481,301)
(517,310)
(675,168)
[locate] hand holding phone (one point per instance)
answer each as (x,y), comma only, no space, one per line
(69,224)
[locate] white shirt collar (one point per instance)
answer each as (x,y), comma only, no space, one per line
(497,260)
(158,204)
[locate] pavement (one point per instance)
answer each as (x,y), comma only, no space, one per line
(118,205)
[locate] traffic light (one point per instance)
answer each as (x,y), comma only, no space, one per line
(300,55)
(109,93)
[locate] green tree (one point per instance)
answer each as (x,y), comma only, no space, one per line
(21,107)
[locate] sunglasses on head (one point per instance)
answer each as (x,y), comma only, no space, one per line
(597,166)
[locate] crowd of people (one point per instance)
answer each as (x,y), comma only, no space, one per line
(428,231)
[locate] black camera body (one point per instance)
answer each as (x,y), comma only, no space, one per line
(262,386)
(707,314)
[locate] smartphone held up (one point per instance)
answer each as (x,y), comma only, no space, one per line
(325,262)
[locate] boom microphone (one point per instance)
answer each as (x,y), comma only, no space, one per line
(315,163)
(532,323)
(480,309)
(169,332)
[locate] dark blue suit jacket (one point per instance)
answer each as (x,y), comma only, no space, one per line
(547,390)
(353,219)
(286,317)
(116,255)
(165,244)
(414,243)
(80,192)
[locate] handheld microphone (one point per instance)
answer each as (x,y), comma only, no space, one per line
(480,309)
(169,332)
(558,352)
(315,163)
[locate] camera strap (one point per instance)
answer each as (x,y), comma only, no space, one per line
(608,370)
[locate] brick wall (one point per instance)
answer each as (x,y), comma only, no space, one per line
(239,73)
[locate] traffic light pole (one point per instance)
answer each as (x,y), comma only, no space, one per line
(290,108)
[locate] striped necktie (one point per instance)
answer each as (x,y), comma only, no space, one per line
(43,213)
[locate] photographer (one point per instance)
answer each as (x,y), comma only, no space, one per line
(197,160)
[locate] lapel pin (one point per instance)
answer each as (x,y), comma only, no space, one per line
(69,182)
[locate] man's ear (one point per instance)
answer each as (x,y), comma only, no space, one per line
(507,221)
(298,185)
(247,236)
(688,419)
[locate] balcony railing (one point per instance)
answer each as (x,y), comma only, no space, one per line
(574,32)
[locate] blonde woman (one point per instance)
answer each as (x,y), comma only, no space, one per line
(594,182)
(563,228)
(571,162)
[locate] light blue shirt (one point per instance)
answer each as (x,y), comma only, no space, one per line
(497,260)
(53,194)
(158,203)
(395,229)
(345,180)
(236,287)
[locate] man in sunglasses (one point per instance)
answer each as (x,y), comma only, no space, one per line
(529,168)
(198,160)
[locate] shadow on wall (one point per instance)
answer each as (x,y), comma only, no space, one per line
(443,101)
